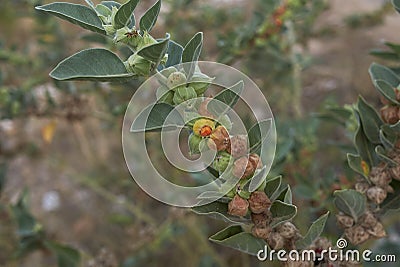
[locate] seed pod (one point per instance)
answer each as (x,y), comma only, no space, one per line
(138,65)
(243,168)
(238,147)
(183,93)
(262,219)
(147,39)
(368,220)
(356,234)
(376,194)
(261,231)
(287,230)
(379,176)
(175,79)
(390,114)
(275,241)
(259,202)
(200,82)
(165,95)
(395,172)
(219,139)
(256,161)
(378,230)
(168,71)
(238,206)
(362,187)
(194,144)
(344,221)
(203,111)
(121,34)
(203,127)
(222,161)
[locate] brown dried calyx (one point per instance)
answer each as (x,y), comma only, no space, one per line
(244,167)
(344,221)
(390,114)
(238,206)
(219,139)
(238,147)
(259,202)
(368,226)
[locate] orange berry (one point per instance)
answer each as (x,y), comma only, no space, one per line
(205,131)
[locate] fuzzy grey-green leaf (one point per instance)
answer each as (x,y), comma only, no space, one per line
(355,162)
(155,52)
(313,232)
(94,64)
(370,120)
(225,100)
(76,14)
(149,18)
(351,202)
(272,186)
(281,212)
(124,14)
(218,210)
(234,237)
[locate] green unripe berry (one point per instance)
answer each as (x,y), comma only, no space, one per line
(200,82)
(175,79)
(183,93)
(222,161)
(138,65)
(165,95)
(168,71)
(194,144)
(241,192)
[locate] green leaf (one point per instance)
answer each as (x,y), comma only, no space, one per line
(382,155)
(281,212)
(234,237)
(27,224)
(125,14)
(364,147)
(370,120)
(3,171)
(351,202)
(396,4)
(288,196)
(66,255)
(387,91)
(191,53)
(394,47)
(392,202)
(111,4)
(94,64)
(380,72)
(174,54)
(76,14)
(155,52)
(313,232)
(90,3)
(257,135)
(388,55)
(355,162)
(272,186)
(226,99)
(149,18)
(218,210)
(153,118)
(387,140)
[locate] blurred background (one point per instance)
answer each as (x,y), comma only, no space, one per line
(66,195)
